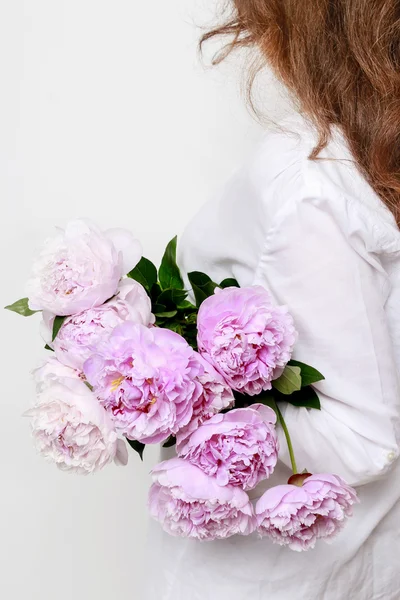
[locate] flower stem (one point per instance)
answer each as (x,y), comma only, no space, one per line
(288,439)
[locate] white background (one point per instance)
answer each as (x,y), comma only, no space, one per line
(105,112)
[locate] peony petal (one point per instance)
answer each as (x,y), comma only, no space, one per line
(129,247)
(188,503)
(178,472)
(69,426)
(46,327)
(297,516)
(79,227)
(241,446)
(61,281)
(245,337)
(150,374)
(121,455)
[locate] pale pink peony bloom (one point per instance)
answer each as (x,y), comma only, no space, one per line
(246,337)
(298,516)
(216,395)
(189,503)
(51,371)
(80,334)
(80,268)
(69,426)
(147,379)
(239,448)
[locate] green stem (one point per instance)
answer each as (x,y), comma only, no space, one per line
(288,439)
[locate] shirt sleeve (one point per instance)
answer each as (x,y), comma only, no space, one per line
(336,294)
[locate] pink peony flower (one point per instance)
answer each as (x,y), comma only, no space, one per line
(189,503)
(147,380)
(69,426)
(239,448)
(80,334)
(297,516)
(216,395)
(80,268)
(245,337)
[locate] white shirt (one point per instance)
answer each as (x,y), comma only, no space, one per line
(316,235)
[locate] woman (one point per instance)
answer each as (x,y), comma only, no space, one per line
(312,217)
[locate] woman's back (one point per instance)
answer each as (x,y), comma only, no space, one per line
(317,236)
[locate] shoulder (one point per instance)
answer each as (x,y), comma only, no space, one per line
(279,185)
(284,175)
(225,236)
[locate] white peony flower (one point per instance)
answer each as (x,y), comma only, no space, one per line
(69,426)
(80,268)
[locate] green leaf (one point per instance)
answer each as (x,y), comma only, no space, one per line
(309,375)
(267,397)
(58,321)
(155,292)
(47,347)
(186,306)
(145,273)
(159,308)
(21,307)
(191,319)
(169,273)
(171,441)
(172,297)
(202,286)
(289,381)
(137,447)
(179,297)
(166,315)
(306,397)
(230,282)
(177,327)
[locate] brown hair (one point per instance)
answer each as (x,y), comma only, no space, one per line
(341,60)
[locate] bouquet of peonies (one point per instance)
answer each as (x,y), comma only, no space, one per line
(133,361)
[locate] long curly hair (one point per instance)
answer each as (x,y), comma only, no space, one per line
(341,60)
